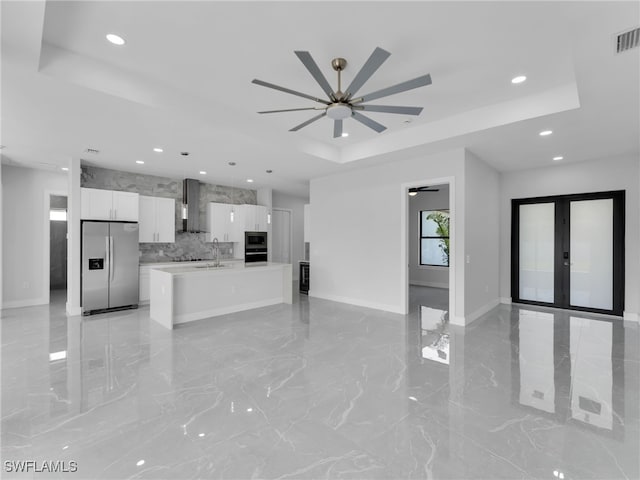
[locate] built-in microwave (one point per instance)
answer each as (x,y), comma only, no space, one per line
(254,240)
(255,247)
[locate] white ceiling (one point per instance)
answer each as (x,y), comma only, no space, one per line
(183,82)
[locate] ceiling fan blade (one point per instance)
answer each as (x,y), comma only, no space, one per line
(390,109)
(422,81)
(368,122)
(337,128)
(372,64)
(287,90)
(292,110)
(310,64)
(311,120)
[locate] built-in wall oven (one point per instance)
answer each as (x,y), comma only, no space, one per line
(255,247)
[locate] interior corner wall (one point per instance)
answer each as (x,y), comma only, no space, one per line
(23,227)
(482,233)
(1,237)
(357,250)
(419,274)
(620,173)
(296,205)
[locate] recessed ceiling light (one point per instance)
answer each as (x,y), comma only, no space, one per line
(345,134)
(249,180)
(518,79)
(139,162)
(269,171)
(66,169)
(232,164)
(558,158)
(158,150)
(202,172)
(544,133)
(201,434)
(184,154)
(115,39)
(140,463)
(408,120)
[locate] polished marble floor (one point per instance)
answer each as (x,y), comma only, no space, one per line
(322,390)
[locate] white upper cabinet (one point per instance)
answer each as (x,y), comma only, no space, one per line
(255,218)
(99,204)
(125,206)
(225,222)
(157,220)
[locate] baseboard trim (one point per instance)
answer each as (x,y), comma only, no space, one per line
(420,283)
(631,317)
(472,317)
(72,310)
(505,300)
(358,302)
(29,302)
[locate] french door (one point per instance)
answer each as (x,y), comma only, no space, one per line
(568,251)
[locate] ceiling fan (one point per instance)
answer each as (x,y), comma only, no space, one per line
(414,191)
(341,105)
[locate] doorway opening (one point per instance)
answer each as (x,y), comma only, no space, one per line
(57,247)
(430,266)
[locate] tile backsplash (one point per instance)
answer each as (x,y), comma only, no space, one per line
(187,245)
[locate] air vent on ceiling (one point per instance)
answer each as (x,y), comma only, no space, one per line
(628,40)
(92,150)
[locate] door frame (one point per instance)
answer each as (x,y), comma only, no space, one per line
(290,228)
(46,256)
(455,276)
(561,243)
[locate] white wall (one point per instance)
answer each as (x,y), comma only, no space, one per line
(583,177)
(482,217)
(24,220)
(296,205)
(359,247)
(419,274)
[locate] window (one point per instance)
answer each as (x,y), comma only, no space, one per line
(58,215)
(434,238)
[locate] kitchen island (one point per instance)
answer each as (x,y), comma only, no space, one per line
(183,294)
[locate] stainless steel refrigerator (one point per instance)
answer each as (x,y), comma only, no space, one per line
(109,265)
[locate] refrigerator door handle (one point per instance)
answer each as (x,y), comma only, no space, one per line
(107,250)
(112,258)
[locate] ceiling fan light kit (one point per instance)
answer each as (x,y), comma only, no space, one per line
(342,105)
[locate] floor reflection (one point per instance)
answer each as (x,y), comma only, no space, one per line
(569,366)
(435,334)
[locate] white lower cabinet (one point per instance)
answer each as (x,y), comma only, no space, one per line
(157,220)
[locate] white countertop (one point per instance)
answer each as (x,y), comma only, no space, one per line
(208,268)
(181,264)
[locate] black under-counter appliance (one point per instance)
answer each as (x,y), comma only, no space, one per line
(304,277)
(255,247)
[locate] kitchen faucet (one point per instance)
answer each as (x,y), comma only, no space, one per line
(216,251)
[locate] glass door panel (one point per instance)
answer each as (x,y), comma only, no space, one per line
(591,246)
(536,262)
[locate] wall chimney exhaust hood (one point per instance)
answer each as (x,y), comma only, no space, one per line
(191,205)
